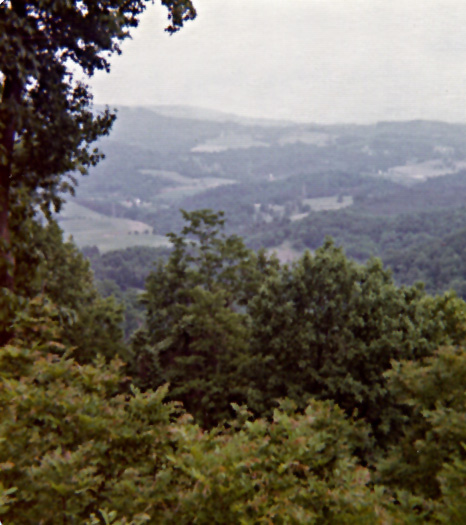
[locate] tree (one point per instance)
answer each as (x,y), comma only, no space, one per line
(46,119)
(429,459)
(197,331)
(224,324)
(330,328)
(56,271)
(91,444)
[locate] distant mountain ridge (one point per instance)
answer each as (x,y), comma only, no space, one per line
(212,115)
(204,114)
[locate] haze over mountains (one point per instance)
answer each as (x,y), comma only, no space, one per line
(376,189)
(319,61)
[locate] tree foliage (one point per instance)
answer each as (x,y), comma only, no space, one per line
(354,359)
(54,270)
(330,328)
(430,456)
(196,332)
(224,324)
(68,431)
(46,119)
(79,442)
(77,447)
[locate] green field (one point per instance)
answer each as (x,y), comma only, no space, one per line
(89,228)
(227,141)
(411,173)
(329,203)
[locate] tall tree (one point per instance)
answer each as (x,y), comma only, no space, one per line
(46,119)
(197,330)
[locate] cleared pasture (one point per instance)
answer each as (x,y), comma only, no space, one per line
(89,228)
(329,203)
(306,137)
(421,171)
(194,186)
(228,141)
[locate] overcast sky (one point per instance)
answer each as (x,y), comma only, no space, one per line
(310,60)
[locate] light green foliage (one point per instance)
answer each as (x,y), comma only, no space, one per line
(430,457)
(294,469)
(74,449)
(71,441)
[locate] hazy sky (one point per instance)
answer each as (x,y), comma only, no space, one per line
(311,60)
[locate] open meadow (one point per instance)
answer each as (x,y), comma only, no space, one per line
(89,228)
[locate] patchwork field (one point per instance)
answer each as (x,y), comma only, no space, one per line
(89,228)
(323,204)
(329,203)
(171,176)
(228,141)
(418,172)
(306,137)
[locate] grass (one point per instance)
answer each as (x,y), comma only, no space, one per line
(323,204)
(306,137)
(89,228)
(421,171)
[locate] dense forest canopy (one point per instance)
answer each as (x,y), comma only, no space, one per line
(392,190)
(355,389)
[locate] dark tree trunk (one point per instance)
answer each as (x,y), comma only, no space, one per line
(10,99)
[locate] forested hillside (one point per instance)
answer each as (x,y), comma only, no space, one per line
(319,392)
(378,190)
(207,381)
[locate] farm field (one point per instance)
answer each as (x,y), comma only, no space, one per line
(306,137)
(323,204)
(329,203)
(89,228)
(227,141)
(411,173)
(171,176)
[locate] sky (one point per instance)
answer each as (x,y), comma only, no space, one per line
(323,61)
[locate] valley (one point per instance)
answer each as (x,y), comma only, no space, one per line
(378,190)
